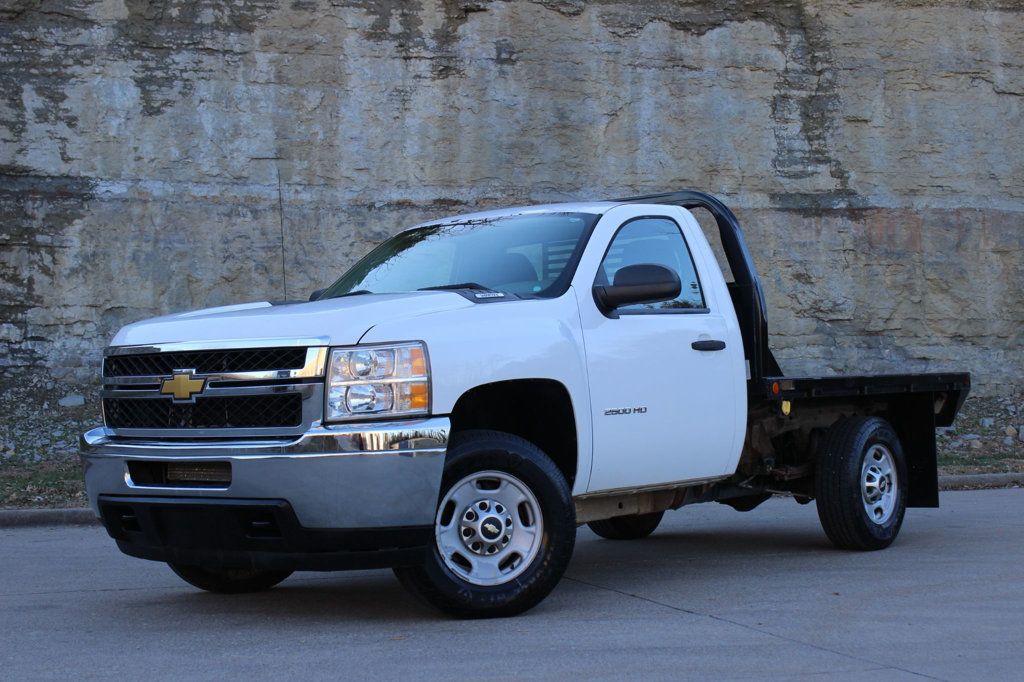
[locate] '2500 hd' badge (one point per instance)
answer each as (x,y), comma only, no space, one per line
(625,410)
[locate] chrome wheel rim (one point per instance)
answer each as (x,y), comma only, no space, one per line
(879,484)
(489,528)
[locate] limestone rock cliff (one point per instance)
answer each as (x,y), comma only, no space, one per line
(160,156)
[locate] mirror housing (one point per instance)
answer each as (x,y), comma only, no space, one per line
(642,283)
(316,294)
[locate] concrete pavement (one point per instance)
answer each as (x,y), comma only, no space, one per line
(713,593)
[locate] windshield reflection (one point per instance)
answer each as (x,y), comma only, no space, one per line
(528,256)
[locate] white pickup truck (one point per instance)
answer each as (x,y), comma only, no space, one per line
(475,388)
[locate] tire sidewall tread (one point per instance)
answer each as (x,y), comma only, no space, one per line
(837,483)
(633,527)
(221,581)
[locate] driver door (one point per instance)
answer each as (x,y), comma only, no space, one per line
(662,410)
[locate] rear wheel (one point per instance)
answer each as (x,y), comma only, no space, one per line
(229,580)
(504,530)
(861,484)
(627,527)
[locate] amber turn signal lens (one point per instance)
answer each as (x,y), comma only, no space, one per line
(418,396)
(418,362)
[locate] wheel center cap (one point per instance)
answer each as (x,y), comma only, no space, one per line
(490,528)
(486,527)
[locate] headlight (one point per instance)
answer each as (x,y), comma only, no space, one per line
(377,381)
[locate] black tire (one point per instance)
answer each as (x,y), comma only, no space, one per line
(627,527)
(478,451)
(839,484)
(229,580)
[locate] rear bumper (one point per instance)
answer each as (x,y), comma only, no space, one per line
(362,488)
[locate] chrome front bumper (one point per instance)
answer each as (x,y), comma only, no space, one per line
(376,475)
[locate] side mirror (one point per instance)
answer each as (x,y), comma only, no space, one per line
(316,294)
(643,283)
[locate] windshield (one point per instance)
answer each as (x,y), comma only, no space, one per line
(531,256)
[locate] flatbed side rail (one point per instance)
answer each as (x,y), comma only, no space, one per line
(789,388)
(955,385)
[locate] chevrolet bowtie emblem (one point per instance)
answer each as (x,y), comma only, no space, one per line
(183,385)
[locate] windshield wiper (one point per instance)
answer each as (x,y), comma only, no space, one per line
(463,285)
(357,292)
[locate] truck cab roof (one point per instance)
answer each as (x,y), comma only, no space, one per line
(595,207)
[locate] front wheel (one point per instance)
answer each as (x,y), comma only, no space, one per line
(504,530)
(861,484)
(229,580)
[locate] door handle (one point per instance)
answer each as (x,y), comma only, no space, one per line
(708,345)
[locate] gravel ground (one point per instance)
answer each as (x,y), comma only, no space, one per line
(39,445)
(988,437)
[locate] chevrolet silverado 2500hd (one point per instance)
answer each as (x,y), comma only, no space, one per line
(472,390)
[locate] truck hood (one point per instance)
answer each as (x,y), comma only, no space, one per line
(335,322)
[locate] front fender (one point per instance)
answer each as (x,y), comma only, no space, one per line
(492,342)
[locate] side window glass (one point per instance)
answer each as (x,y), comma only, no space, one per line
(657,241)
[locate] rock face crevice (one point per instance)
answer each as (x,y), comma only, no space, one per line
(161,156)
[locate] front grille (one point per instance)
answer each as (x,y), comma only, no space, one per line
(204,361)
(220,412)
